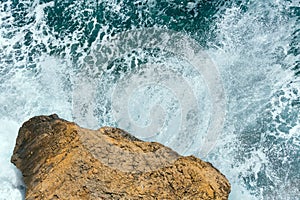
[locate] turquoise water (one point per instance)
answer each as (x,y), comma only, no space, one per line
(136,65)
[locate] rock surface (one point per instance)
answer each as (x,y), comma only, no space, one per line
(60,160)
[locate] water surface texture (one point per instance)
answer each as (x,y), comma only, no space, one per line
(217,79)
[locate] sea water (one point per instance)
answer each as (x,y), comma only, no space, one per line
(220,80)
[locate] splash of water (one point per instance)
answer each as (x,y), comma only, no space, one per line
(48,52)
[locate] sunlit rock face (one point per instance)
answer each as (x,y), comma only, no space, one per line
(60,160)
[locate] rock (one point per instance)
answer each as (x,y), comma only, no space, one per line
(60,160)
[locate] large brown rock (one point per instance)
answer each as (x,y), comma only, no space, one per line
(60,160)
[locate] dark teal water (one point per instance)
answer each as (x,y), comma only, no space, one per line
(51,60)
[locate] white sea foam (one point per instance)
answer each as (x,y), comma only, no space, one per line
(10,176)
(251,51)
